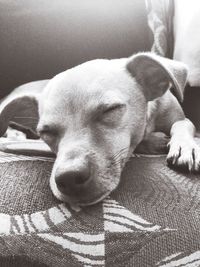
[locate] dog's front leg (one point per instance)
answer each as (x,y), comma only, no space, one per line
(183,149)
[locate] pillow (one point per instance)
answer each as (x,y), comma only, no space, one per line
(187,38)
(152,219)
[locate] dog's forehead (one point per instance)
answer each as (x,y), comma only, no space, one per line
(89,83)
(88,77)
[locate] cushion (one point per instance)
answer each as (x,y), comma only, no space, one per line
(160,20)
(152,219)
(187,39)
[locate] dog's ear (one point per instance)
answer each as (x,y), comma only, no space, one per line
(12,106)
(23,98)
(156,74)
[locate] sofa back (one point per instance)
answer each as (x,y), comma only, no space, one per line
(42,38)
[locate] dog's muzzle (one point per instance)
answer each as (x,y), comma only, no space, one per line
(72,181)
(81,185)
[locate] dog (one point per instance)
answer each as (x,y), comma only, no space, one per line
(93,117)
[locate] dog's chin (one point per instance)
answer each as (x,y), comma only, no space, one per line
(78,202)
(75,203)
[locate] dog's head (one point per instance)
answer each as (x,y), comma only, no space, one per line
(93,116)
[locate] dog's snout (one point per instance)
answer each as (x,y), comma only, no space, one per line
(71,180)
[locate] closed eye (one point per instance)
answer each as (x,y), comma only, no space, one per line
(112,115)
(114,107)
(47,131)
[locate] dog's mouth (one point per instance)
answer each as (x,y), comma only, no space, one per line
(82,199)
(94,191)
(103,179)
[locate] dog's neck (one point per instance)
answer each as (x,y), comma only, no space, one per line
(151,116)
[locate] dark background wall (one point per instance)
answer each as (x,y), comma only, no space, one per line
(39,39)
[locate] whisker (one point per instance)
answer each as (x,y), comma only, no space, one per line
(119,154)
(119,158)
(16,117)
(29,123)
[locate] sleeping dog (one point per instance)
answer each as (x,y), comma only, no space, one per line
(94,115)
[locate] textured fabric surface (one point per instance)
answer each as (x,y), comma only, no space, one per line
(152,219)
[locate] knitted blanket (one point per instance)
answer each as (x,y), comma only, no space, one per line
(152,219)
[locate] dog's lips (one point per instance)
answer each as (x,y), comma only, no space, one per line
(96,200)
(83,200)
(87,195)
(91,194)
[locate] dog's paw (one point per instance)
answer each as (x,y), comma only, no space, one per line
(155,143)
(184,154)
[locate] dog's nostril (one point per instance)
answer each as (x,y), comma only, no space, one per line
(60,183)
(80,179)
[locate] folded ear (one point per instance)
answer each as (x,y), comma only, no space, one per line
(21,99)
(156,74)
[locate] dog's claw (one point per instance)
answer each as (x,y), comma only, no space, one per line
(184,155)
(196,156)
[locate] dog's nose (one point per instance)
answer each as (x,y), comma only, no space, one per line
(69,181)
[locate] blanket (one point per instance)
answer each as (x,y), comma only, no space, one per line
(152,219)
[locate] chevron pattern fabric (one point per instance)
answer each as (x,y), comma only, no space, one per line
(152,219)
